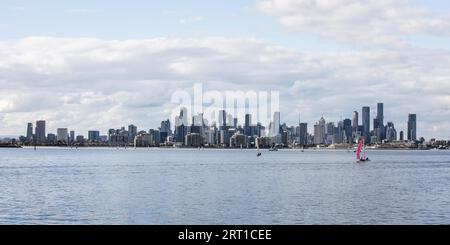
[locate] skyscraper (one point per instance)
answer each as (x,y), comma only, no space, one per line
(29,131)
(62,135)
(222,118)
(132,132)
(303,134)
(412,129)
(366,123)
(40,132)
(380,132)
(247,125)
(94,135)
(72,136)
(347,123)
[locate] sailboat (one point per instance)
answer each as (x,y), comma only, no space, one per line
(361,146)
(257,147)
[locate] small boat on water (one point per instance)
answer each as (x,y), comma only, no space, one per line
(361,147)
(258,154)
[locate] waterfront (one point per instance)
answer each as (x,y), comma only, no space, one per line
(187,186)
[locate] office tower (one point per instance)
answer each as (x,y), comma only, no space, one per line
(94,136)
(247,125)
(182,119)
(319,134)
(248,120)
(402,136)
(229,120)
(276,121)
(366,123)
(72,136)
(132,132)
(165,126)
(391,133)
(165,130)
(222,118)
(40,132)
(51,139)
(303,134)
(62,135)
(235,122)
(412,127)
(379,129)
(355,120)
(29,131)
(347,124)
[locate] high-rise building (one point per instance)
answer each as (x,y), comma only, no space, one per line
(412,127)
(274,127)
(165,127)
(247,125)
(379,129)
(222,118)
(303,134)
(62,135)
(72,136)
(319,134)
(391,133)
(94,135)
(132,132)
(40,132)
(182,119)
(366,123)
(165,130)
(29,131)
(347,124)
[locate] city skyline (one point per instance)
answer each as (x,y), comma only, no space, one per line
(104,70)
(227,130)
(40,127)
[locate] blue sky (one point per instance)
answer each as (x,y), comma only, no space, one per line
(86,59)
(138,19)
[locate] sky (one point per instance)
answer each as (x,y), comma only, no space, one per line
(105,64)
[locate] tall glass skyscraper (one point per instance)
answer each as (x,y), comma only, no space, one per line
(412,129)
(366,123)
(40,131)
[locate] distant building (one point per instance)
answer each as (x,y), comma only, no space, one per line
(348,129)
(379,129)
(319,132)
(72,136)
(402,136)
(391,133)
(238,140)
(303,133)
(93,136)
(194,140)
(366,124)
(51,139)
(30,131)
(62,135)
(40,132)
(80,139)
(132,132)
(412,127)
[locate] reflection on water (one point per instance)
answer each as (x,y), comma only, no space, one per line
(168,186)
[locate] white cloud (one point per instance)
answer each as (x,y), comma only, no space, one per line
(84,83)
(368,22)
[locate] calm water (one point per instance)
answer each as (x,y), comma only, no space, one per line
(157,186)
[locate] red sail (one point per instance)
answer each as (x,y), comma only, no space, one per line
(358,151)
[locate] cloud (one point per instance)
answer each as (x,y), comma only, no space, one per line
(369,22)
(87,83)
